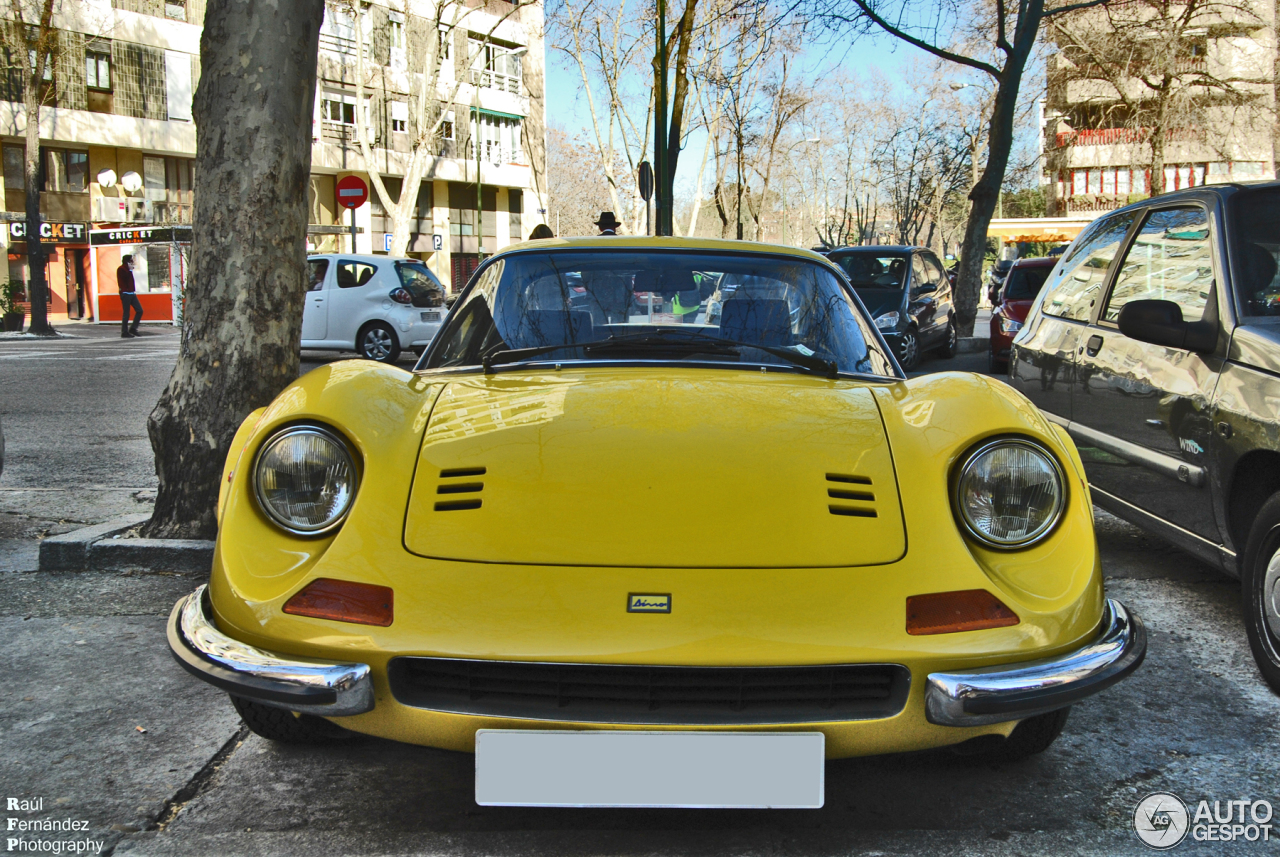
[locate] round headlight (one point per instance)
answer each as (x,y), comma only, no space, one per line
(305,479)
(1010,493)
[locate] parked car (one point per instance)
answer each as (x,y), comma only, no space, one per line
(563,521)
(1156,343)
(1010,306)
(908,295)
(377,306)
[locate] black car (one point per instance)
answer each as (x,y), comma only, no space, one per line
(1155,343)
(907,293)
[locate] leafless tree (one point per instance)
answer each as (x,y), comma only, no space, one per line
(32,44)
(996,39)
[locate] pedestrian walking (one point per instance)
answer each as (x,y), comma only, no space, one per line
(608,223)
(128,298)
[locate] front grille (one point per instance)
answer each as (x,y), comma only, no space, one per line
(592,693)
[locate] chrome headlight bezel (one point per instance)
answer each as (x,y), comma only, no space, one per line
(966,465)
(327,434)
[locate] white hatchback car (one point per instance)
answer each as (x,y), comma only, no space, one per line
(376,305)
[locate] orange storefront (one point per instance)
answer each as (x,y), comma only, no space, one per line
(67,269)
(161,265)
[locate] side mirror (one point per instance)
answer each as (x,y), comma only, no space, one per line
(1160,323)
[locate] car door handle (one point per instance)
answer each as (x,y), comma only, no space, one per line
(1093,346)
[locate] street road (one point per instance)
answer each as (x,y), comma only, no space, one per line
(100,723)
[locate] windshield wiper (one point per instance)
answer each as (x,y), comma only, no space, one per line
(698,343)
(669,341)
(499,354)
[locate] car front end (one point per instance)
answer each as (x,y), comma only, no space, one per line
(601,545)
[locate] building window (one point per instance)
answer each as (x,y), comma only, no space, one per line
(48,64)
(65,171)
(495,66)
(499,138)
(399,116)
(15,175)
(338,31)
(176,9)
(97,70)
(445,45)
(338,108)
(1108,181)
(1122,181)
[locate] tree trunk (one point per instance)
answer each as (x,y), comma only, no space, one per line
(243,321)
(986,193)
(37,282)
(682,37)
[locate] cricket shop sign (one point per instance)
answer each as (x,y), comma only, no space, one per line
(141,235)
(52,233)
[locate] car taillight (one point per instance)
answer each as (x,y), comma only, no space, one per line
(344,601)
(401,296)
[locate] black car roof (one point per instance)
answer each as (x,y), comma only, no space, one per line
(875,248)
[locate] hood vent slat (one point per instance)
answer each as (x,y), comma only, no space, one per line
(850,495)
(460,488)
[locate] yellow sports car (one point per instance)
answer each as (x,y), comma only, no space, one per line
(635,556)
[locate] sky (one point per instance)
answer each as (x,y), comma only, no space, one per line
(567,108)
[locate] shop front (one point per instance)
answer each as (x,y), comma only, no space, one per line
(67,272)
(161,265)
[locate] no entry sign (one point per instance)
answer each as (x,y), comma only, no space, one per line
(352,192)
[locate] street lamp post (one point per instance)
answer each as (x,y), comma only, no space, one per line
(660,159)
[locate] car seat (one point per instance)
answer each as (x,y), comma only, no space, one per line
(756,321)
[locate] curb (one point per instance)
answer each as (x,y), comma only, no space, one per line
(70,551)
(93,549)
(972,344)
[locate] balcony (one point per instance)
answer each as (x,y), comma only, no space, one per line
(1114,136)
(495,80)
(496,154)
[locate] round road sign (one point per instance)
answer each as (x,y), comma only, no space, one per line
(352,192)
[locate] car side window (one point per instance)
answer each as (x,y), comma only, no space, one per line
(316,269)
(1078,281)
(933,271)
(919,274)
(1171,259)
(352,274)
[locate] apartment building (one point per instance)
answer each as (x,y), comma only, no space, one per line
(118,141)
(1099,117)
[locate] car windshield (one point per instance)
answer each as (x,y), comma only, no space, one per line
(659,305)
(1024,283)
(875,270)
(1255,240)
(420,283)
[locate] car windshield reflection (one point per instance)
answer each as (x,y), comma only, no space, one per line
(659,306)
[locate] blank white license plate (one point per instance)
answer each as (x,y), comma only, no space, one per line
(779,770)
(431,316)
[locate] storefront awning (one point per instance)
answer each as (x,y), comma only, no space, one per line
(1047,229)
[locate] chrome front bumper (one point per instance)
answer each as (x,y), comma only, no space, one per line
(1016,691)
(305,686)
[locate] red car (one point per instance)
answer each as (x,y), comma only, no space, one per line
(1011,305)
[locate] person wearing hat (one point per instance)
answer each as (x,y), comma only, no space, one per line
(608,223)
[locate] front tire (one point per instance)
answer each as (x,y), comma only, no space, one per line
(1259,578)
(951,344)
(909,350)
(378,342)
(1031,736)
(276,724)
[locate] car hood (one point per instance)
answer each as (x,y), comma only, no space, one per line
(881,301)
(1016,310)
(711,468)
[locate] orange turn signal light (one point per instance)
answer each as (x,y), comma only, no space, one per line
(948,612)
(344,601)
